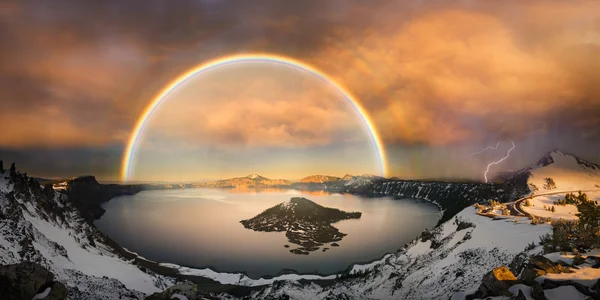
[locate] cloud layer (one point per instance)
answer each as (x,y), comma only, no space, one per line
(433,73)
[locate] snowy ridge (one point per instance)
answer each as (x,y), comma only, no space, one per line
(568,172)
(43,227)
(449,260)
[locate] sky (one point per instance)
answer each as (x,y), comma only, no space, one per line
(439,79)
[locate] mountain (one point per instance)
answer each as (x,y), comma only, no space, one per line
(558,171)
(252,180)
(319,179)
(350,183)
(47,227)
(47,238)
(347,177)
(306,223)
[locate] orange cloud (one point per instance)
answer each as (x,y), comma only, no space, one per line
(441,74)
(263,106)
(427,73)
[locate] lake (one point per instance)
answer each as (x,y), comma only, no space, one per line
(201,228)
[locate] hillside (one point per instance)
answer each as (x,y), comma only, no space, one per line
(566,171)
(252,181)
(44,226)
(462,258)
(319,179)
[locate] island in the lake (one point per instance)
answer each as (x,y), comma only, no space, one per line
(306,223)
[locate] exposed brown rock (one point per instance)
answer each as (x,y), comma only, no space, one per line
(497,282)
(545,264)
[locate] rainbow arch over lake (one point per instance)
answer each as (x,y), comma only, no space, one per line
(126,164)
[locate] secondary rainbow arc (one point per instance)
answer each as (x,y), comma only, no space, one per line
(126,167)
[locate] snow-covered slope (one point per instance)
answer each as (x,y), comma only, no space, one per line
(42,226)
(568,172)
(541,205)
(440,263)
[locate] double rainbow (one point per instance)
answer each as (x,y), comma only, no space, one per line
(233,59)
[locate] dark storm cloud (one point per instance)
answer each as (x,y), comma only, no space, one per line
(428,72)
(99,61)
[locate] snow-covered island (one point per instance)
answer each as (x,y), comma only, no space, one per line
(305,222)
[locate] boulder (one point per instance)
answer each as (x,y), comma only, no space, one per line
(545,264)
(530,273)
(551,284)
(520,296)
(596,286)
(497,282)
(27,279)
(537,292)
(578,260)
(58,292)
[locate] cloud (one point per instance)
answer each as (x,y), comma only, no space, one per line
(453,75)
(434,73)
(259,105)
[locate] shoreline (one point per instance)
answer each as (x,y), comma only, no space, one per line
(234,280)
(240,279)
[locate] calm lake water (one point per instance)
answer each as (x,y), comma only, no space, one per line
(200,228)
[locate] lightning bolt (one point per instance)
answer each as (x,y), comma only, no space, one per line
(486,149)
(499,161)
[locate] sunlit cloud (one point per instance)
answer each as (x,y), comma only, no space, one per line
(429,73)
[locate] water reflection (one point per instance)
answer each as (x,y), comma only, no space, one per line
(200,228)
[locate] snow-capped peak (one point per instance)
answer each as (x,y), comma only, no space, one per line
(347,177)
(559,171)
(253,176)
(565,160)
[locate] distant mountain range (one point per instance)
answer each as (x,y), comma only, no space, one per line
(252,180)
(312,181)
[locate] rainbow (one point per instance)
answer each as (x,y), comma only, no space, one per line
(238,58)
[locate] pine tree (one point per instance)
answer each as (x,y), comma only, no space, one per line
(13,171)
(48,191)
(1,167)
(553,209)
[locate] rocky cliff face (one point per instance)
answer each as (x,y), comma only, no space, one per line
(87,195)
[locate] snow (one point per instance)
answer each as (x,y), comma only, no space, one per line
(179,296)
(43,294)
(419,248)
(585,274)
(241,279)
(369,266)
(564,292)
(521,287)
(5,187)
(89,261)
(566,173)
(565,212)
